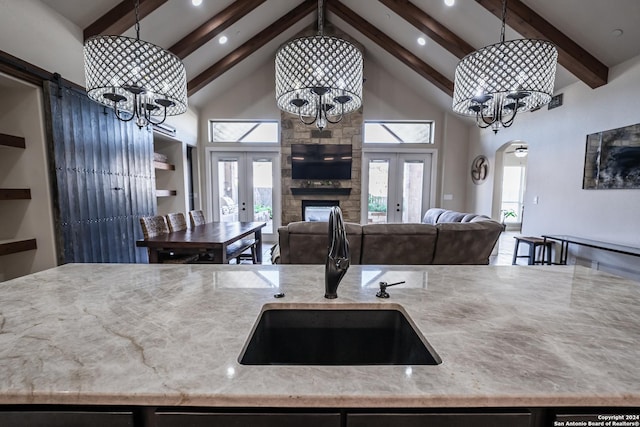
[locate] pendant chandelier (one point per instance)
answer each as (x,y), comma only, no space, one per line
(135,78)
(319,78)
(495,83)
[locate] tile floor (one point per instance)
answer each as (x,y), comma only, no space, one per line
(506,244)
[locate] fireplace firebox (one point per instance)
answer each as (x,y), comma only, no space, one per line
(317,210)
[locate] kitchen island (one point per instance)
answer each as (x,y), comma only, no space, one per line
(148,336)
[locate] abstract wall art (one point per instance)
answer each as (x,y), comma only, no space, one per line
(479,169)
(612,159)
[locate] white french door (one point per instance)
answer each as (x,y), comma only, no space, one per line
(396,187)
(245,187)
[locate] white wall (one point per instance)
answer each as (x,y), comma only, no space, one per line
(255,98)
(387,98)
(455,173)
(33,32)
(556,140)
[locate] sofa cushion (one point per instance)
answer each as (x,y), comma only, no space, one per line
(450,216)
(398,244)
(307,242)
(468,217)
(466,243)
(431,216)
(479,218)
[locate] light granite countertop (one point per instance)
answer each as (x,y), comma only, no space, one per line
(100,334)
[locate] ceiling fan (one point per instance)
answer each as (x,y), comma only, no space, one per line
(518,151)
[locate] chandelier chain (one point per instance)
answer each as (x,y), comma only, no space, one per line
(504,20)
(137,5)
(320,17)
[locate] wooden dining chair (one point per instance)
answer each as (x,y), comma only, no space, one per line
(176,221)
(153,226)
(196,217)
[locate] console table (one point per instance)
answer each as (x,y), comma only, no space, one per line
(596,244)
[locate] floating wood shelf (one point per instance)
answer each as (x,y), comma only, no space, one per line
(318,191)
(12,141)
(14,193)
(166,193)
(13,246)
(164,166)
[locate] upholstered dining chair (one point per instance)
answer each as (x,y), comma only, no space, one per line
(153,226)
(176,221)
(196,217)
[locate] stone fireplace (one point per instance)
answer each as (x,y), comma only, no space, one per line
(346,191)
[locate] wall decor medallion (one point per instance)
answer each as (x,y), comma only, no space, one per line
(612,159)
(479,169)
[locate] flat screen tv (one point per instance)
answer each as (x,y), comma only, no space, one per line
(321,161)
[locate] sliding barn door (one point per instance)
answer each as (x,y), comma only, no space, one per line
(102,178)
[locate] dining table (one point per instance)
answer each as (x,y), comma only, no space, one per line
(222,239)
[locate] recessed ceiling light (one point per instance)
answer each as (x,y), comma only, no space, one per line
(617,32)
(421,41)
(196,2)
(222,39)
(449,2)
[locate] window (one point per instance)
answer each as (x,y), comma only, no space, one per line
(249,131)
(398,132)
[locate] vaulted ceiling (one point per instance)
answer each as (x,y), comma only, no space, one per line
(587,33)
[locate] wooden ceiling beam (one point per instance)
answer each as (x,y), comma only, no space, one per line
(430,27)
(213,27)
(570,55)
(121,18)
(252,45)
(391,46)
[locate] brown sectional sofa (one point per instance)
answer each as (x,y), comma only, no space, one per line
(306,242)
(444,237)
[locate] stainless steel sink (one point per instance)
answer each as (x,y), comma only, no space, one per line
(336,337)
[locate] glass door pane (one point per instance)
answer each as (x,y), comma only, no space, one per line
(378,190)
(412,190)
(228,173)
(245,187)
(262,169)
(398,187)
(513,182)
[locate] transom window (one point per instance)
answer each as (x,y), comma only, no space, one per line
(398,132)
(245,131)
